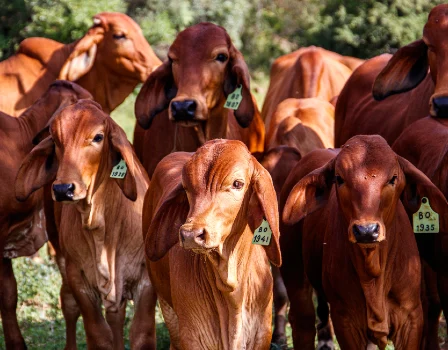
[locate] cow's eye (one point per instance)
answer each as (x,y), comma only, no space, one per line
(221,57)
(98,138)
(339,180)
(119,36)
(392,180)
(237,184)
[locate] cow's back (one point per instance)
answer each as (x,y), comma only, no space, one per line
(357,113)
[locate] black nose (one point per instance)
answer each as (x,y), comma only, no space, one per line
(440,106)
(366,234)
(183,110)
(63,192)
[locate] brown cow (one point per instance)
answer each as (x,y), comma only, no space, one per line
(99,223)
(307,72)
(404,76)
(424,143)
(201,210)
(358,245)
(108,61)
(182,102)
(305,123)
(22,225)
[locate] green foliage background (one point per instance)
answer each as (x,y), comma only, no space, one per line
(262,29)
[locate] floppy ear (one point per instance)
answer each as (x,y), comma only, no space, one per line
(263,204)
(120,143)
(163,232)
(309,194)
(38,169)
(238,74)
(405,70)
(155,95)
(418,186)
(83,55)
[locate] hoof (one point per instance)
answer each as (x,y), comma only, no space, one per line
(325,345)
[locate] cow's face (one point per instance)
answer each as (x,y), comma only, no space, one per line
(202,69)
(116,43)
(368,182)
(409,65)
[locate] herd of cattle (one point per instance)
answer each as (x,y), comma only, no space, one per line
(218,213)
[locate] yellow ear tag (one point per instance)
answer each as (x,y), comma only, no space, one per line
(425,220)
(262,234)
(119,170)
(234,99)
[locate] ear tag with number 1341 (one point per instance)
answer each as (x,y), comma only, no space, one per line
(119,170)
(234,99)
(262,234)
(425,220)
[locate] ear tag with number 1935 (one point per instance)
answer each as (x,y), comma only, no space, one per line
(119,170)
(262,234)
(234,99)
(425,220)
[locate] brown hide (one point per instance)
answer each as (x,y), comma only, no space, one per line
(108,61)
(214,285)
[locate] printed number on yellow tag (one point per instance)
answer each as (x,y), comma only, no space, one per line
(119,170)
(425,220)
(234,99)
(262,234)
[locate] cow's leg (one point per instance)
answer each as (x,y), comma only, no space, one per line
(280,306)
(442,287)
(115,319)
(409,336)
(71,312)
(98,332)
(350,336)
(8,305)
(324,328)
(143,329)
(172,323)
(431,307)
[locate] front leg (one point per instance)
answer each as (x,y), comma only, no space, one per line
(98,332)
(115,319)
(409,335)
(8,305)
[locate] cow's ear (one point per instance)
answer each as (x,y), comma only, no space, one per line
(125,151)
(309,194)
(263,204)
(163,231)
(419,186)
(82,58)
(155,94)
(38,169)
(238,74)
(405,70)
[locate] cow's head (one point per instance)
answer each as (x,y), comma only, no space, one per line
(223,190)
(115,42)
(83,145)
(202,69)
(409,65)
(369,180)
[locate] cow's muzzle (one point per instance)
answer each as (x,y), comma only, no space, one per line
(193,238)
(63,192)
(366,233)
(183,110)
(440,107)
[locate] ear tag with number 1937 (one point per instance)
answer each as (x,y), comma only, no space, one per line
(425,220)
(234,99)
(119,170)
(262,234)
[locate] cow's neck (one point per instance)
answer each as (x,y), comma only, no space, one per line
(108,89)
(228,275)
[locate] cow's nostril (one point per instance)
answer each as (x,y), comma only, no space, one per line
(366,233)
(440,106)
(63,192)
(183,110)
